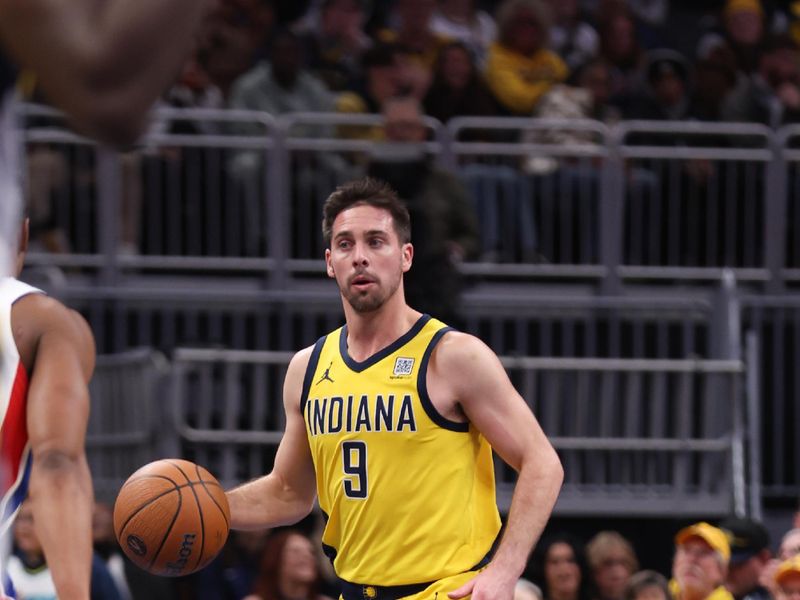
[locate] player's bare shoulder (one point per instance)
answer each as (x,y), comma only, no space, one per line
(299,363)
(457,351)
(295,375)
(36,317)
(466,363)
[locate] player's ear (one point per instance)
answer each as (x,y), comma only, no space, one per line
(408,256)
(328,263)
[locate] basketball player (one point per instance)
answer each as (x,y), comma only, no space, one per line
(391,421)
(48,357)
(102,63)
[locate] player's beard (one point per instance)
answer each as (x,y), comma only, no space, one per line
(372,299)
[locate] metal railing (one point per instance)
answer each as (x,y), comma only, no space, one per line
(126,420)
(645,437)
(225,249)
(574,200)
(772,326)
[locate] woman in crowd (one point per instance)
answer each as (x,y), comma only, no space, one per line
(289,569)
(612,562)
(458,88)
(559,568)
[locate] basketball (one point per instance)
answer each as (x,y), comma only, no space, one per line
(171,517)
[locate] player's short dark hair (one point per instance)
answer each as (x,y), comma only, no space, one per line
(371,192)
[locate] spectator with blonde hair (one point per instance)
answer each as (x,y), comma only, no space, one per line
(612,561)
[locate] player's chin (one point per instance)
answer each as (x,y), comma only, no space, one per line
(364,303)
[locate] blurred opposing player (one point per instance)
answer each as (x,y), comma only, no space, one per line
(102,63)
(48,358)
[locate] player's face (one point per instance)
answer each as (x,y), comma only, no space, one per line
(366,257)
(696,566)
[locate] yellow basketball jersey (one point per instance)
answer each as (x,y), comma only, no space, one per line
(409,495)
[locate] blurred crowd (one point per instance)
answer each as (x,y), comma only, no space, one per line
(733,560)
(733,60)
(606,60)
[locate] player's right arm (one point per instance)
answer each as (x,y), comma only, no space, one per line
(287,494)
(58,350)
(103,62)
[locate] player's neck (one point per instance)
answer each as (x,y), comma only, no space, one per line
(367,333)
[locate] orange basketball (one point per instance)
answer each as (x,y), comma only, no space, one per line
(171,517)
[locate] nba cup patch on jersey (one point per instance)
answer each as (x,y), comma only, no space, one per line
(403,367)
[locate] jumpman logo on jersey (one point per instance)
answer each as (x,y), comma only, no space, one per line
(326,375)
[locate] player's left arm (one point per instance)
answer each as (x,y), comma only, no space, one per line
(487,397)
(57,416)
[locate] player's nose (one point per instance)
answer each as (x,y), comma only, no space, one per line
(360,256)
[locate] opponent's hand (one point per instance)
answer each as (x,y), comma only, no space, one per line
(490,584)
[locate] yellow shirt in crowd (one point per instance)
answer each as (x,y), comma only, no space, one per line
(519,81)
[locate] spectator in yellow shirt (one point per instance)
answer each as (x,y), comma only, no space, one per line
(520,69)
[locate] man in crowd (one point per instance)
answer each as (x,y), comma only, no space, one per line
(700,564)
(750,554)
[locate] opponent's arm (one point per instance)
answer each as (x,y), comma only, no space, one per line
(287,494)
(104,62)
(60,489)
(495,408)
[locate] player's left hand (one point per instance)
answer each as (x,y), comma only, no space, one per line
(490,584)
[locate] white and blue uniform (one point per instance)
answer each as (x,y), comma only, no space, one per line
(15,452)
